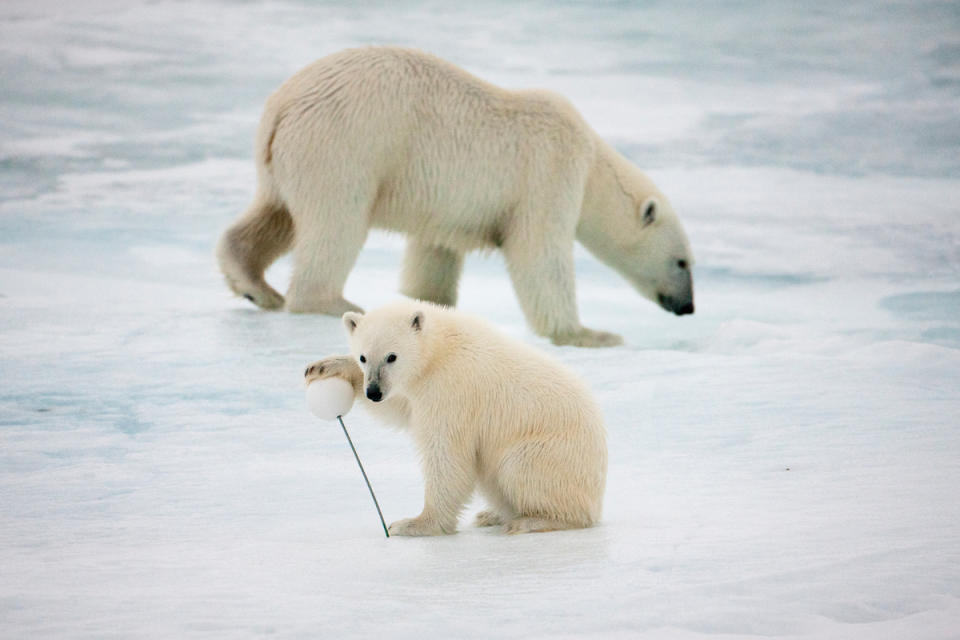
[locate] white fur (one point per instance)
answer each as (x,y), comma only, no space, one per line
(485,412)
(400,140)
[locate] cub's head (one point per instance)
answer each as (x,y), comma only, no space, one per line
(387,345)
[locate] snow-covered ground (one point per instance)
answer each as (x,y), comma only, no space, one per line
(784,463)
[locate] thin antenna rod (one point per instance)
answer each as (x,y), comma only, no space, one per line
(365,479)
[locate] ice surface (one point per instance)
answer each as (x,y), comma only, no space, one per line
(784,463)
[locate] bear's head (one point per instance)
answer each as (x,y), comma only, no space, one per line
(661,263)
(631,227)
(387,344)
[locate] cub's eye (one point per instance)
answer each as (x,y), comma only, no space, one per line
(392,357)
(682,264)
(363,359)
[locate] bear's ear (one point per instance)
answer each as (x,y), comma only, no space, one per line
(648,212)
(416,323)
(351,319)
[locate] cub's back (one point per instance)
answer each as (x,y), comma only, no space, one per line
(501,374)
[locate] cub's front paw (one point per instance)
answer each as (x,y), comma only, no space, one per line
(416,527)
(335,367)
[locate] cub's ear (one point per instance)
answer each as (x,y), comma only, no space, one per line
(648,212)
(351,319)
(416,323)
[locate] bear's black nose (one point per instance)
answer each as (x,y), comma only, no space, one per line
(685,309)
(680,307)
(373,392)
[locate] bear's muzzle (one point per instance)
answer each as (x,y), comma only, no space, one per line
(681,307)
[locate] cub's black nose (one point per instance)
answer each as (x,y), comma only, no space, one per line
(684,310)
(373,392)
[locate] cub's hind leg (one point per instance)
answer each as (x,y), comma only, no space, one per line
(487,518)
(537,525)
(498,512)
(553,484)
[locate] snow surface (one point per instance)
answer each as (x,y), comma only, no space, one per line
(785,463)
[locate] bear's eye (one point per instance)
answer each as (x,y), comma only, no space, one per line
(392,357)
(363,359)
(682,264)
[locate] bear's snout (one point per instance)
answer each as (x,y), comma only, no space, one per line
(373,392)
(681,307)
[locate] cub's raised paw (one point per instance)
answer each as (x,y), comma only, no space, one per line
(335,367)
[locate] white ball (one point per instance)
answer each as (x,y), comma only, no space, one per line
(329,398)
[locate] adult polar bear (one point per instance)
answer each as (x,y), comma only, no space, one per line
(400,140)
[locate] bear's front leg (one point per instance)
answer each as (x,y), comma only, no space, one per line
(449,478)
(541,268)
(336,366)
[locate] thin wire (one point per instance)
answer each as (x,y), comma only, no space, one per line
(365,479)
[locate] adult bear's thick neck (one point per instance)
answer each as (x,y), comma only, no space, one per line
(615,189)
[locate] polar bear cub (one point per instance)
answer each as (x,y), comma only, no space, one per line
(486,413)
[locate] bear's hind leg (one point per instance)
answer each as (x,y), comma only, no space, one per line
(525,524)
(489,519)
(431,273)
(499,511)
(549,486)
(262,234)
(322,259)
